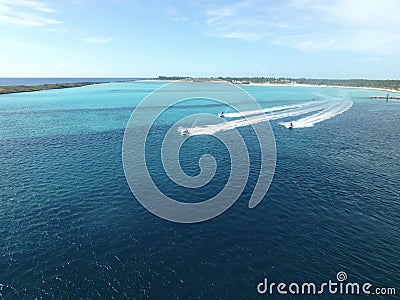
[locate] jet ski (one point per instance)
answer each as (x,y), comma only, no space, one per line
(221,114)
(185,132)
(290,125)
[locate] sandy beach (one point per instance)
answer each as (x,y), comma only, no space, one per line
(322,85)
(290,85)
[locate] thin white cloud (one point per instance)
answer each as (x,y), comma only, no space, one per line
(175,16)
(242,35)
(245,20)
(221,12)
(309,25)
(247,36)
(97,40)
(26,13)
(215,15)
(27,20)
(28,4)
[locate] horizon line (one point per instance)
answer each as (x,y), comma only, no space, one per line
(199,77)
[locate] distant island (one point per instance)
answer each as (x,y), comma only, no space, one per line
(392,85)
(33,88)
(387,85)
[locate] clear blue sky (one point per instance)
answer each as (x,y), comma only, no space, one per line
(126,38)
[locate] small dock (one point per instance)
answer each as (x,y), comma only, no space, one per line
(387,97)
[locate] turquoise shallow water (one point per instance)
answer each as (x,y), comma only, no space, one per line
(71,228)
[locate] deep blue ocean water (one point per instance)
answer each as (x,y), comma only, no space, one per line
(70,227)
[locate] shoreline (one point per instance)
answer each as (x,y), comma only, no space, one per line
(13,89)
(388,90)
(322,85)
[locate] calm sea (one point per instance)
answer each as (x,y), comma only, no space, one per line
(71,229)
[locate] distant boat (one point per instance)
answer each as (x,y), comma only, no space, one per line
(185,132)
(221,114)
(290,125)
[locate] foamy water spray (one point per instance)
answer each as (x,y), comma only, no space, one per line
(134,152)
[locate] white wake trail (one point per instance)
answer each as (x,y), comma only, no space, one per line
(334,109)
(322,110)
(278,114)
(266,110)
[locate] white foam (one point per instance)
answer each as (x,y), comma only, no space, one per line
(266,110)
(280,112)
(334,109)
(322,110)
